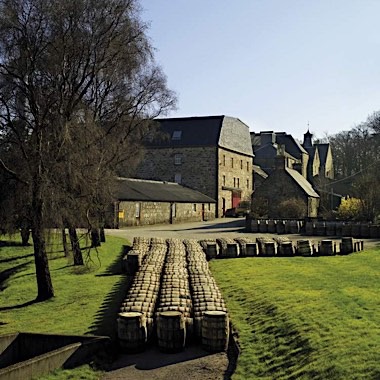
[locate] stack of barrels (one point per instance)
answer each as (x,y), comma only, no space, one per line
(175,306)
(248,248)
(228,247)
(211,248)
(134,258)
(136,320)
(284,246)
(267,247)
(211,323)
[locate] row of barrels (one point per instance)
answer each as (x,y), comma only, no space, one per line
(174,295)
(315,228)
(137,314)
(281,246)
(174,311)
(211,322)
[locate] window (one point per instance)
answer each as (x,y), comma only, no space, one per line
(232,162)
(224,180)
(178,178)
(247,183)
(176,135)
(247,166)
(224,160)
(241,164)
(194,207)
(238,182)
(137,210)
(177,159)
(209,207)
(234,182)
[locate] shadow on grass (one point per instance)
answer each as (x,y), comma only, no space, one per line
(16,258)
(25,304)
(105,319)
(6,274)
(9,243)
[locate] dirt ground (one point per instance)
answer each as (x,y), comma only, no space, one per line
(193,363)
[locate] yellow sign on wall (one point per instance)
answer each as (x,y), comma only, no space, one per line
(121,214)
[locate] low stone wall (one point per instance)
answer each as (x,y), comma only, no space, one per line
(27,355)
(313,228)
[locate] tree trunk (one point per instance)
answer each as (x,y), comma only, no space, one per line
(44,284)
(25,234)
(64,243)
(95,237)
(102,235)
(77,253)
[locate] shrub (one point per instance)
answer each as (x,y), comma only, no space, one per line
(350,208)
(292,208)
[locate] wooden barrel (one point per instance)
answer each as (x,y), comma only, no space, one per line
(319,229)
(263,226)
(304,248)
(346,230)
(171,331)
(280,227)
(364,230)
(347,245)
(211,251)
(309,227)
(251,249)
(330,229)
(271,226)
(294,227)
(132,332)
(286,249)
(355,230)
(270,248)
(232,250)
(326,248)
(215,331)
(254,225)
(374,231)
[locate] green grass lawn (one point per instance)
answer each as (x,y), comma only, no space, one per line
(305,318)
(86,298)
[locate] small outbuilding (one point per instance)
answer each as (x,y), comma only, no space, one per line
(281,185)
(142,202)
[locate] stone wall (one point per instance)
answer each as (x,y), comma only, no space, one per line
(197,167)
(144,213)
(235,172)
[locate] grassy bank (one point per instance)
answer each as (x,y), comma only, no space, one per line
(305,318)
(82,294)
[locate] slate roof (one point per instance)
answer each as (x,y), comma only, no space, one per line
(302,182)
(322,151)
(224,131)
(130,189)
(259,171)
(292,146)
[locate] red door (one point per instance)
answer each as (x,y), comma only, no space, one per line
(235,198)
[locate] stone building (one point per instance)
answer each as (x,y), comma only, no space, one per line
(268,145)
(320,159)
(284,183)
(211,154)
(142,202)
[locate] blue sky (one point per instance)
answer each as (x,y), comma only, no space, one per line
(274,64)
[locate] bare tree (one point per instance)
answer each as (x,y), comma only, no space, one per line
(78,87)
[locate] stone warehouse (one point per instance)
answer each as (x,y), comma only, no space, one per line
(211,154)
(142,202)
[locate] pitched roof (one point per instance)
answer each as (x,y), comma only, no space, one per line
(259,171)
(322,150)
(224,131)
(302,182)
(292,146)
(130,189)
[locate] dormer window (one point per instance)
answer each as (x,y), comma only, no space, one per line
(176,135)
